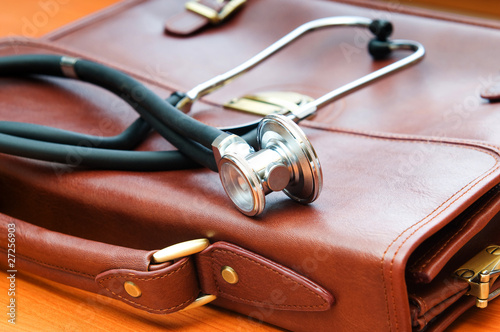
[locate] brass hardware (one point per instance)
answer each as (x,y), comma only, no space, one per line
(481,272)
(272,102)
(229,275)
(200,301)
(132,289)
(210,13)
(180,250)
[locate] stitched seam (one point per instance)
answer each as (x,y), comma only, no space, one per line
(214,274)
(275,272)
(101,281)
(454,235)
(420,308)
(416,230)
(448,298)
(408,138)
(414,139)
(36,261)
(433,248)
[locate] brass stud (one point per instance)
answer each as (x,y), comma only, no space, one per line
(229,275)
(132,289)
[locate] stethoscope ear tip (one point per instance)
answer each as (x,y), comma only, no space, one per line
(379,49)
(382,29)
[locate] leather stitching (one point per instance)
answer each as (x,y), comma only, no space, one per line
(131,276)
(423,309)
(324,304)
(409,138)
(415,139)
(451,238)
(416,230)
(36,261)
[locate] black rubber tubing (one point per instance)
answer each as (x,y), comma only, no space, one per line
(129,139)
(131,91)
(135,93)
(95,158)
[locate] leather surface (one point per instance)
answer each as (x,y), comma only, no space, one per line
(455,175)
(163,291)
(393,105)
(261,282)
(67,259)
(384,194)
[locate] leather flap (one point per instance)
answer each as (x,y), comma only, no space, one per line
(261,282)
(163,291)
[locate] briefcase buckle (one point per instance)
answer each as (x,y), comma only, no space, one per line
(215,17)
(272,102)
(181,250)
(480,273)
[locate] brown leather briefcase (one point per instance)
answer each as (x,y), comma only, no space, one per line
(410,167)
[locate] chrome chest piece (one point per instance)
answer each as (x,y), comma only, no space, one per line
(286,161)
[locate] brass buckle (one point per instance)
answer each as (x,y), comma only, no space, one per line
(481,272)
(272,102)
(180,250)
(214,16)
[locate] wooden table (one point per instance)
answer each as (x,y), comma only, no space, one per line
(47,306)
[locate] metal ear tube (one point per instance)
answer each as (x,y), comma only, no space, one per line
(286,160)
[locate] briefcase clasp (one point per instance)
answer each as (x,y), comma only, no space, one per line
(481,272)
(211,14)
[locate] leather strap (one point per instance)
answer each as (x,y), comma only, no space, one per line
(188,22)
(165,288)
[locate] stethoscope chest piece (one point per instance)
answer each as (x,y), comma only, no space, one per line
(281,134)
(286,161)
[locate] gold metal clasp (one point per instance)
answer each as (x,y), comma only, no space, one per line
(272,102)
(214,16)
(180,250)
(481,272)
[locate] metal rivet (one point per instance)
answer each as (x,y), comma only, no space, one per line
(465,273)
(229,275)
(132,289)
(494,250)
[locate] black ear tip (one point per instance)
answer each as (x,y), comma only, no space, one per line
(382,29)
(379,49)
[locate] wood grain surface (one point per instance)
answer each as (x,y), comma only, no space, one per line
(42,305)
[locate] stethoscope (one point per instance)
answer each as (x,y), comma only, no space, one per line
(253,159)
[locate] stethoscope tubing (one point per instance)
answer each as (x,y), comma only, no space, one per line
(178,128)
